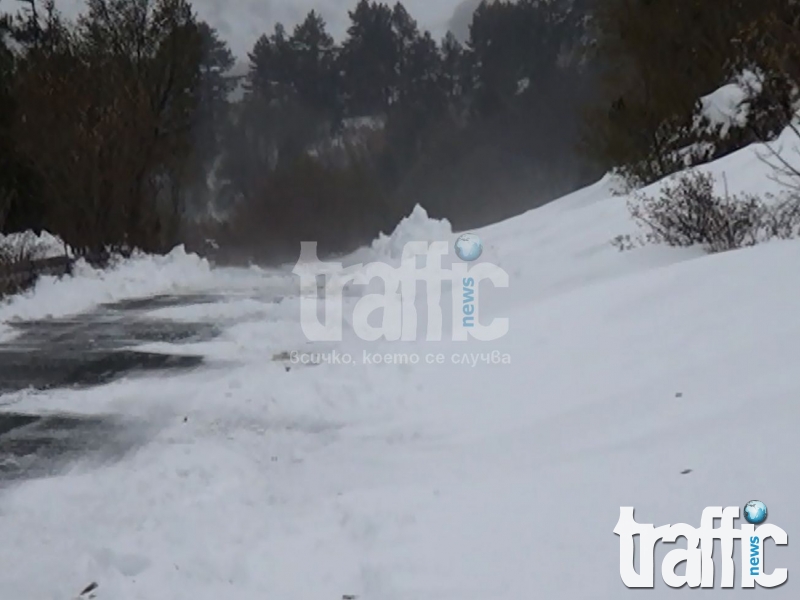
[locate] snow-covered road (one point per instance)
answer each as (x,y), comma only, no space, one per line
(658,378)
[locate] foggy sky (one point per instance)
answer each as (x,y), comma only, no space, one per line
(241,22)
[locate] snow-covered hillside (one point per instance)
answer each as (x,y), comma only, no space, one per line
(659,378)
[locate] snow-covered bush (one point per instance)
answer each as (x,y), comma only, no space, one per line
(13,257)
(19,253)
(752,108)
(689,212)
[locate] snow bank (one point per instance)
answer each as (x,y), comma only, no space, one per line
(44,245)
(416,227)
(388,250)
(750,170)
(139,276)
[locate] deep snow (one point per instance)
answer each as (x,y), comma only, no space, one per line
(43,245)
(434,482)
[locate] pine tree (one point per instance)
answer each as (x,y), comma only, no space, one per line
(213,91)
(314,76)
(369,60)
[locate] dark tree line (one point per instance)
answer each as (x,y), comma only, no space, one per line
(103,130)
(127,127)
(474,132)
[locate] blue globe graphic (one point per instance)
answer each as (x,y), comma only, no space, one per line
(469,247)
(755,512)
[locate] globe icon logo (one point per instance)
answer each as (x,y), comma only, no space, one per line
(755,512)
(468,247)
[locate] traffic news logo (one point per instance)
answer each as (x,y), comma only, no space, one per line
(396,304)
(697,555)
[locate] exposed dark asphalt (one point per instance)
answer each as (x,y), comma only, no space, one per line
(81,351)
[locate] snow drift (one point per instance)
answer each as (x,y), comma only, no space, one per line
(658,378)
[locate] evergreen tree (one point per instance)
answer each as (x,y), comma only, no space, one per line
(314,73)
(212,119)
(369,60)
(455,73)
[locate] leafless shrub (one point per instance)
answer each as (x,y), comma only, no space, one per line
(782,221)
(15,260)
(624,242)
(688,212)
(104,116)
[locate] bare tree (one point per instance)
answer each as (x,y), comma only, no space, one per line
(106,110)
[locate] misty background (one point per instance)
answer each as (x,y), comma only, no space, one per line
(241,129)
(241,22)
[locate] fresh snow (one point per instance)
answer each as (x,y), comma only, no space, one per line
(727,106)
(31,245)
(434,482)
(138,277)
(416,227)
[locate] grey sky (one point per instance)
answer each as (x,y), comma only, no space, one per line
(240,22)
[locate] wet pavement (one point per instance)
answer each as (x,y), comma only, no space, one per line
(82,351)
(99,346)
(33,446)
